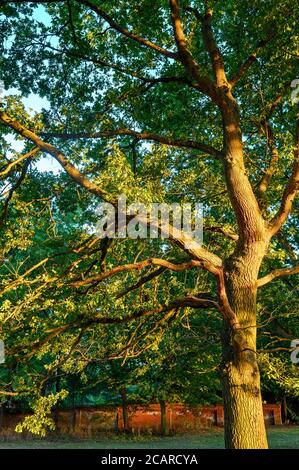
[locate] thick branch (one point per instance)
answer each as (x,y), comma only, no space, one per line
(100,12)
(73,172)
(226,232)
(138,135)
(250,60)
(11,191)
(263,124)
(243,200)
(79,54)
(277,273)
(10,394)
(264,183)
(213,49)
(188,301)
(210,261)
(184,240)
(10,165)
(224,306)
(289,192)
(137,266)
(185,56)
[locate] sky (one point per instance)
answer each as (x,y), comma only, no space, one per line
(34,104)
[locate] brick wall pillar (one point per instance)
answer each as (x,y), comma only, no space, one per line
(220,415)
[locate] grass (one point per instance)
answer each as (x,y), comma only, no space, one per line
(279,438)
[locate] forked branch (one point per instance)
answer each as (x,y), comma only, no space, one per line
(205,84)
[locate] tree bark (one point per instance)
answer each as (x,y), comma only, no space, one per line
(244,426)
(124,401)
(284,410)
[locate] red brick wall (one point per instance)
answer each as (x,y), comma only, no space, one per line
(186,418)
(146,418)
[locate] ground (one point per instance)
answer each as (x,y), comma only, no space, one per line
(279,438)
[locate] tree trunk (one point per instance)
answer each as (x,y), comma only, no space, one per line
(243,411)
(123,393)
(73,419)
(56,408)
(284,410)
(163,418)
(116,422)
(244,426)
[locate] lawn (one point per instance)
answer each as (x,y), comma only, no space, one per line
(279,438)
